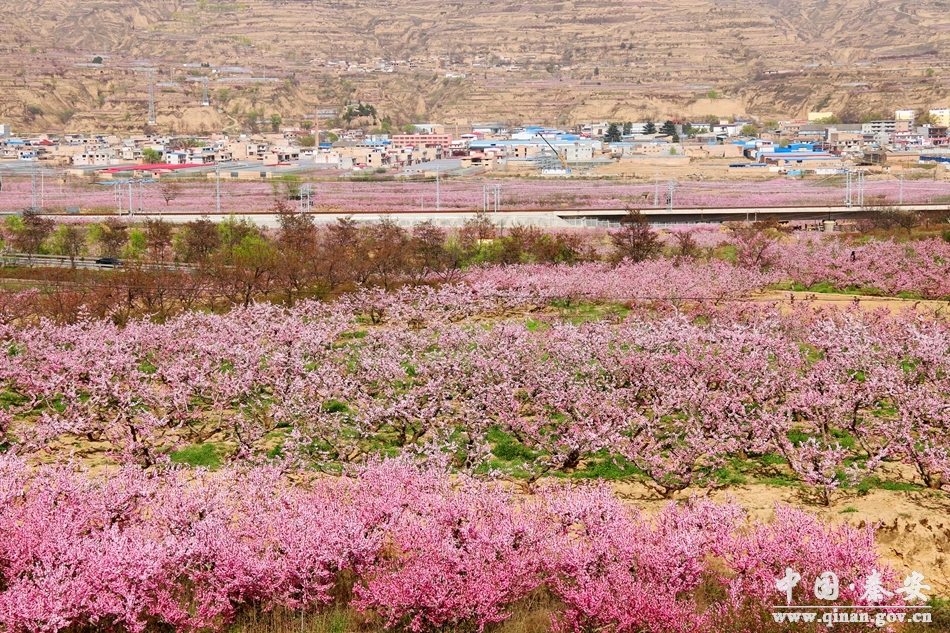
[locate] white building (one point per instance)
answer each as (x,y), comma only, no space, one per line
(879,127)
(729,129)
(576,152)
(99,156)
(941,116)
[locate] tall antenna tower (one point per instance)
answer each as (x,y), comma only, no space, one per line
(151,99)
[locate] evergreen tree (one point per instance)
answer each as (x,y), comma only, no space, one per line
(650,128)
(668,129)
(613,133)
(627,128)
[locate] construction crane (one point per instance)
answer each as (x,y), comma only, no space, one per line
(567,170)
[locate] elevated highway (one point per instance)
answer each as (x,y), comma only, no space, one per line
(561,217)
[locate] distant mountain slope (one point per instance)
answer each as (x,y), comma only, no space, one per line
(545,61)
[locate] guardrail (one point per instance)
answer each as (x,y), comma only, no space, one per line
(62,261)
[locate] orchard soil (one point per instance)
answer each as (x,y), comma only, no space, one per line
(891,304)
(912,525)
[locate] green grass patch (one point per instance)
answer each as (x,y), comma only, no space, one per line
(822,286)
(203,455)
(770,459)
(844,438)
(874,482)
(797,437)
(729,477)
(335,406)
(534,325)
(940,615)
(780,479)
(10,399)
(727,253)
(848,510)
(511,452)
(584,311)
(899,485)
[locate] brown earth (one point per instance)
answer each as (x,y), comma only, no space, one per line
(891,304)
(555,62)
(912,527)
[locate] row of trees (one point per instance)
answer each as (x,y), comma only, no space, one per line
(834,396)
(615,134)
(401,549)
(424,249)
(167,268)
(170,267)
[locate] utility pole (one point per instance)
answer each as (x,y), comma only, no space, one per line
(33,193)
(497,197)
(306,203)
(671,187)
(205,101)
(656,189)
(151,99)
(900,198)
(438,199)
(847,189)
(217,188)
(130,198)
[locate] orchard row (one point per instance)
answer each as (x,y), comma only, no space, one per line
(829,394)
(400,195)
(408,548)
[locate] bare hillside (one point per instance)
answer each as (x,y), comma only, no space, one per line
(544,61)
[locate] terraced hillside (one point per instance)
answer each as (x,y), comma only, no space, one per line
(544,61)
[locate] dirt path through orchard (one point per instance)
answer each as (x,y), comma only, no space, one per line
(892,304)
